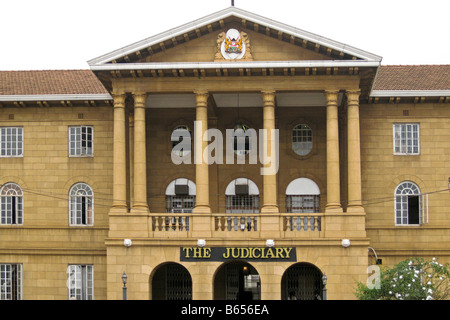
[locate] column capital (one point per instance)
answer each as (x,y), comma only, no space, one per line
(119,100)
(353,96)
(331,96)
(139,99)
(201,98)
(268,97)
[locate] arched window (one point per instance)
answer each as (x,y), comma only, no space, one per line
(81,205)
(302,139)
(302,196)
(181,140)
(180,196)
(242,196)
(407,203)
(11,204)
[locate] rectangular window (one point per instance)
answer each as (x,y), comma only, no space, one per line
(11,210)
(10,282)
(81,282)
(81,141)
(11,142)
(406,139)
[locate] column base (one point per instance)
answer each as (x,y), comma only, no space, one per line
(269,209)
(359,209)
(334,209)
(201,209)
(139,210)
(118,210)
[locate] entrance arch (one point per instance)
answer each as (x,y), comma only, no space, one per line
(171,281)
(237,280)
(304,281)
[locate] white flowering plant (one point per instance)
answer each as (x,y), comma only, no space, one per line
(411,279)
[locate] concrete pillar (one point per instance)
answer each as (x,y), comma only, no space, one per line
(201,167)
(270,204)
(354,152)
(333,171)
(140,158)
(119,161)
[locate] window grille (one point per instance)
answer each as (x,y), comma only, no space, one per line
(81,205)
(302,140)
(180,204)
(11,204)
(303,203)
(81,141)
(406,138)
(242,204)
(11,142)
(10,282)
(80,282)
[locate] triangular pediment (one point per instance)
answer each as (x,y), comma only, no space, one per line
(264,39)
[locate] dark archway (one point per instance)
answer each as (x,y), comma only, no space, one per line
(302,281)
(237,280)
(171,281)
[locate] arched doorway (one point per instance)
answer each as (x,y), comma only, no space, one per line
(237,280)
(302,280)
(171,281)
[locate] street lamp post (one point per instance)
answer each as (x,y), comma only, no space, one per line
(124,281)
(324,282)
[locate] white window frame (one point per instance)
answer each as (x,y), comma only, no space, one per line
(81,205)
(76,148)
(7,283)
(80,282)
(402,144)
(305,140)
(14,137)
(401,204)
(11,204)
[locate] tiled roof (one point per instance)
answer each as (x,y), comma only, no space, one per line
(48,82)
(83,82)
(415,77)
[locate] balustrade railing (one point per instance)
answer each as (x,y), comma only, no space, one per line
(233,222)
(170,222)
(299,223)
(302,222)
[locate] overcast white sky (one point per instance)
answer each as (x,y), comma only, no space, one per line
(65,34)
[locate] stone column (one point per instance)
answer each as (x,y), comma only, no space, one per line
(140,158)
(201,167)
(270,204)
(354,152)
(333,172)
(119,161)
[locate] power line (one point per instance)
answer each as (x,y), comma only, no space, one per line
(65,197)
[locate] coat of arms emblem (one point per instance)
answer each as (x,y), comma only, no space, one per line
(233,45)
(233,42)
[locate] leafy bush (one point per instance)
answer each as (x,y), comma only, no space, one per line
(411,279)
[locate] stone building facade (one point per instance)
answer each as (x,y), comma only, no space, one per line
(90,191)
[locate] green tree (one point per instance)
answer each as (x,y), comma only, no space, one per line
(411,279)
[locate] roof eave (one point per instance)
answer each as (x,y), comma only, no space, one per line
(233,11)
(56,97)
(236,64)
(409,93)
